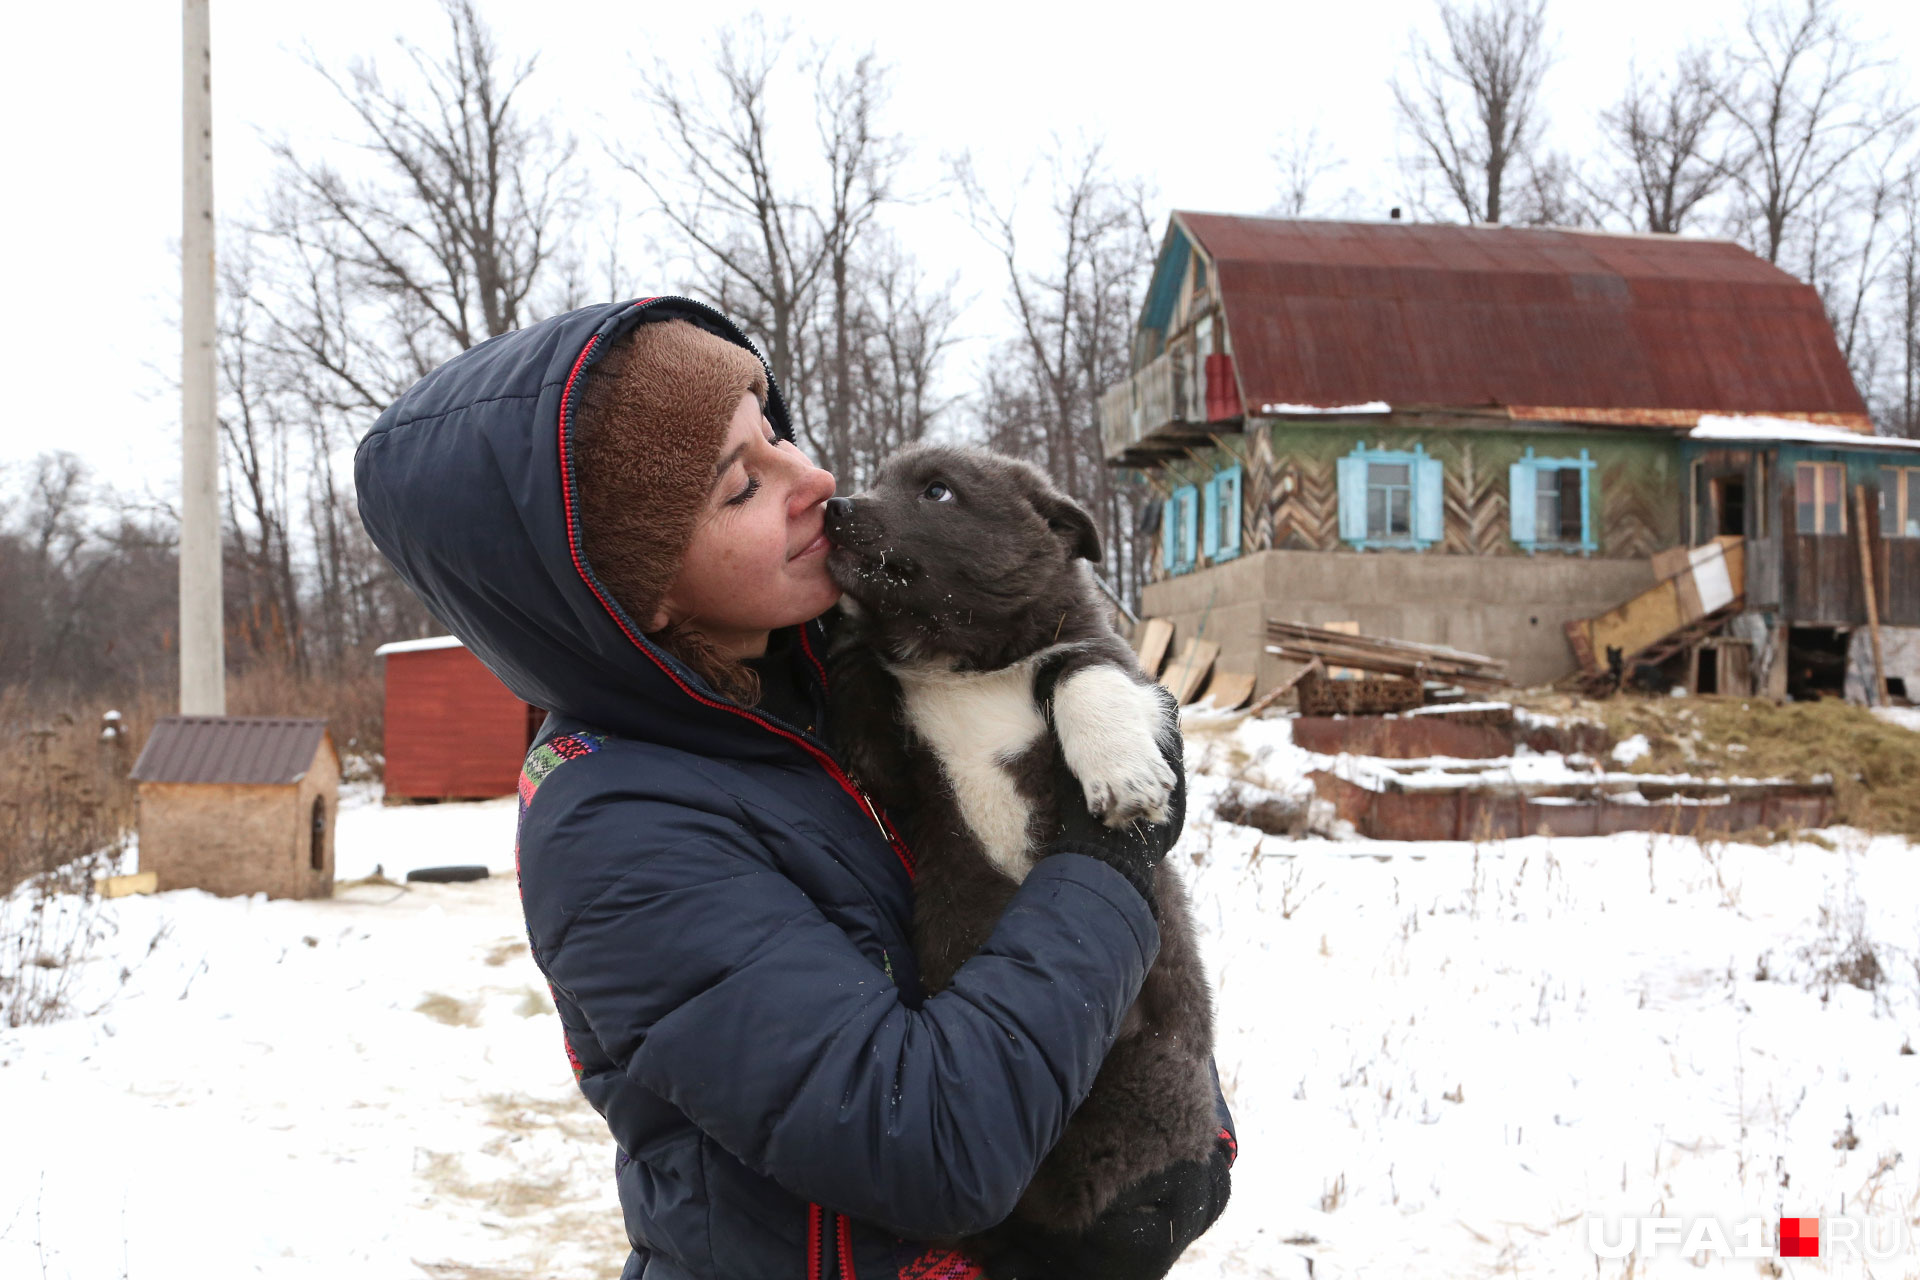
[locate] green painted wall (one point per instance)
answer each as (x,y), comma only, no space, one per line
(1289,493)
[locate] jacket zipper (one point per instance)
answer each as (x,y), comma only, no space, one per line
(829,1245)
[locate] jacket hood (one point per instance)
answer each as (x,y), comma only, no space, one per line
(466,486)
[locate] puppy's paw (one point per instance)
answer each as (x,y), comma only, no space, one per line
(1109,728)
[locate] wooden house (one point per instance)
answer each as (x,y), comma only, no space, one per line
(1472,436)
(239,805)
(453,731)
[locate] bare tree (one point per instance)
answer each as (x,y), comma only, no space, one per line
(1903,417)
(754,241)
(1072,298)
(358,279)
(1473,109)
(1304,160)
(902,329)
(258,457)
(1669,155)
(459,227)
(788,236)
(1807,100)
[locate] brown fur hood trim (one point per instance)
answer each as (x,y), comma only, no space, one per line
(652,417)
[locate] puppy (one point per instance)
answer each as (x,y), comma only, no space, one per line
(975,679)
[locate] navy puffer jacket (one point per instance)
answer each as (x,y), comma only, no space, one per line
(724,919)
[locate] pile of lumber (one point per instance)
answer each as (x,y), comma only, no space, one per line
(1418,662)
(1190,675)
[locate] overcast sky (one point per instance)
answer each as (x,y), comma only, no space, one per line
(1193,97)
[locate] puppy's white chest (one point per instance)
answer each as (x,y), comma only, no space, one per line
(978,723)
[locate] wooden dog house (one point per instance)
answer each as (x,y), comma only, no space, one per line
(453,731)
(239,805)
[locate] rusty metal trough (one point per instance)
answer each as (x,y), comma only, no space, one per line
(1471,733)
(1478,811)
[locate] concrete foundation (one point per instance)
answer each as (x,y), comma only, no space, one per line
(1511,607)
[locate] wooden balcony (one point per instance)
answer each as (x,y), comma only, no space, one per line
(1176,402)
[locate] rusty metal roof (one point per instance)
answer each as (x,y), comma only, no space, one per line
(234,749)
(1503,318)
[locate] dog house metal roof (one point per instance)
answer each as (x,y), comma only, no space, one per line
(1533,322)
(230,749)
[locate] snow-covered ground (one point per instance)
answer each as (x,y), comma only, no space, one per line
(1442,1059)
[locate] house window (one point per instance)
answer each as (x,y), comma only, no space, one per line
(1179,527)
(1220,525)
(1391,498)
(1551,503)
(1820,496)
(1900,502)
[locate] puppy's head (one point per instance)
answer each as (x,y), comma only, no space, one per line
(957,552)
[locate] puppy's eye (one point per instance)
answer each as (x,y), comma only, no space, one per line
(937,492)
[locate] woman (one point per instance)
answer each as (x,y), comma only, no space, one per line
(608,508)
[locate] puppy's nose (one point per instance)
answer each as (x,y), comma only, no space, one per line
(839,509)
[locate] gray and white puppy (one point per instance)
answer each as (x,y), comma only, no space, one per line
(976,662)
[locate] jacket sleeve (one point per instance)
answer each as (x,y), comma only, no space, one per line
(1228,1138)
(716,983)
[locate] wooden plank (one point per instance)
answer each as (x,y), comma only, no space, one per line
(1154,639)
(1380,645)
(1285,687)
(1185,674)
(1228,690)
(1671,563)
(1861,527)
(1639,622)
(122,886)
(1344,629)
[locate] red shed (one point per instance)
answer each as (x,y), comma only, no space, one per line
(453,731)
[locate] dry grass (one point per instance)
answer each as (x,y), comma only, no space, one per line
(452,1012)
(1873,764)
(506,951)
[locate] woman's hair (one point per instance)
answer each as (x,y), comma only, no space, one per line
(653,416)
(730,677)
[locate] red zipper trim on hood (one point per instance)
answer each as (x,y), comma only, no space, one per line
(824,760)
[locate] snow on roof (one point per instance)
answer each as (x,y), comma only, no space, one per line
(1310,410)
(1715,426)
(418,646)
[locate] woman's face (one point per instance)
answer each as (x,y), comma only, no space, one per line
(758,559)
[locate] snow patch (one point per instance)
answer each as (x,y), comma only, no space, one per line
(1715,426)
(419,646)
(1905,717)
(1635,748)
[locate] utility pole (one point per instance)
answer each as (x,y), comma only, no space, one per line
(203,663)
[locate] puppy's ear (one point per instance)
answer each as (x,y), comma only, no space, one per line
(1071,521)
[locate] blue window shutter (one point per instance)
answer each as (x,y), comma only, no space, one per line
(1520,495)
(1189,502)
(1169,519)
(1589,480)
(1352,477)
(1429,501)
(1210,519)
(1229,481)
